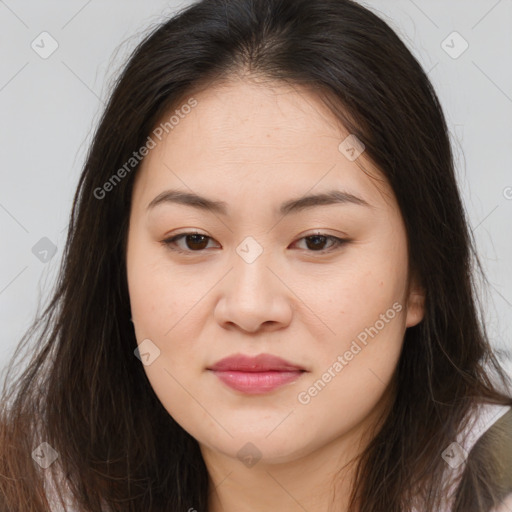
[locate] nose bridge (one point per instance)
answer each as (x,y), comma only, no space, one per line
(252,295)
(251,275)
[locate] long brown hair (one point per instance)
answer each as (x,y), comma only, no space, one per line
(86,395)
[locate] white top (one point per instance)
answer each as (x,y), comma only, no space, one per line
(483,416)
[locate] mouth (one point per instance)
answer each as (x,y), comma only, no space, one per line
(256,375)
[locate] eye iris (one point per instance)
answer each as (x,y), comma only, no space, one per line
(198,242)
(316,238)
(195,237)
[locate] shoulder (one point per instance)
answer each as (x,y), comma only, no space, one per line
(487,477)
(505,505)
(495,446)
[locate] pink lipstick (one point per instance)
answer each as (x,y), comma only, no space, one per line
(255,375)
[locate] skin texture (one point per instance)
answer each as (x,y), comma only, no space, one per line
(255,146)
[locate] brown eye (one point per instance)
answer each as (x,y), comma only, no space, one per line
(317,242)
(194,242)
(197,242)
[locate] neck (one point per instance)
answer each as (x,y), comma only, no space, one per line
(317,480)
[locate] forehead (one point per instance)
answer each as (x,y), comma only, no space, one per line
(277,119)
(266,140)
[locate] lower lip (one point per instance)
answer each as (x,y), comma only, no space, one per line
(256,382)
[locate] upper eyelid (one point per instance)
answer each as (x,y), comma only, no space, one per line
(307,235)
(338,240)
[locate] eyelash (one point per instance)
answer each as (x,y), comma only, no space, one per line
(170,242)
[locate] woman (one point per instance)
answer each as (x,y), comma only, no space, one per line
(266,297)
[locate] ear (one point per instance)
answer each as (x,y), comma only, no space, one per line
(415,303)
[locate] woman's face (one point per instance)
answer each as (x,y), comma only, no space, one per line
(256,280)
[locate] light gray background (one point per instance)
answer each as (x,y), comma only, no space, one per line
(50,106)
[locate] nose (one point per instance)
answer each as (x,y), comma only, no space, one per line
(254,297)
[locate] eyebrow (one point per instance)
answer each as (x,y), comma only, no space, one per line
(293,205)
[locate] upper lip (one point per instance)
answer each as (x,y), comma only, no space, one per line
(259,363)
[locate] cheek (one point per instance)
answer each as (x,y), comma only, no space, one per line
(358,293)
(365,339)
(159,294)
(164,310)
(167,317)
(364,306)
(150,304)
(353,372)
(159,313)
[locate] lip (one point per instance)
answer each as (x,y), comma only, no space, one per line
(259,363)
(256,374)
